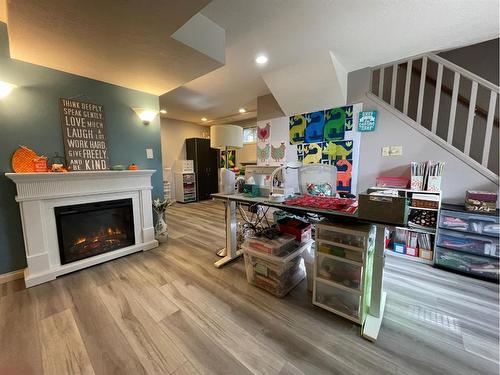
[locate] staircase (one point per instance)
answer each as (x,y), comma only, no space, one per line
(450,105)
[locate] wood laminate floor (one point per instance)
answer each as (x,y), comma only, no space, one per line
(170,311)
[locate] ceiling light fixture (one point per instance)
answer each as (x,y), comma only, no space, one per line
(146,115)
(204,119)
(242,110)
(261,59)
(163,111)
(5,89)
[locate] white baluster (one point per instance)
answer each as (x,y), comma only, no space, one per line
(381,84)
(393,83)
(470,118)
(421,91)
(489,128)
(453,109)
(407,87)
(437,96)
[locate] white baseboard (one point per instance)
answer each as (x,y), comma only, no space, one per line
(9,276)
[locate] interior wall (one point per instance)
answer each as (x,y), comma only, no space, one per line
(268,108)
(30,116)
(391,131)
(173,135)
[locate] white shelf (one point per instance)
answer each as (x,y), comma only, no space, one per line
(421,208)
(408,257)
(419,230)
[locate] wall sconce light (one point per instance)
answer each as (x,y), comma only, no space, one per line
(146,115)
(5,89)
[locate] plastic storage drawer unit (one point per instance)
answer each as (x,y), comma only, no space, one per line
(477,265)
(340,252)
(480,245)
(275,274)
(487,225)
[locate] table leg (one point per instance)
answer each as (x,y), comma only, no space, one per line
(230,252)
(373,320)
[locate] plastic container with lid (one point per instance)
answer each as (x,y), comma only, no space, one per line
(275,274)
(274,246)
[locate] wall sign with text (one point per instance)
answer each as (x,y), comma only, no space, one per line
(84,135)
(367,121)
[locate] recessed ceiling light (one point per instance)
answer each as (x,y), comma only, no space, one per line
(204,119)
(242,110)
(261,59)
(163,111)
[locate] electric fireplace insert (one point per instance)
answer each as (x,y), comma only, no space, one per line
(90,229)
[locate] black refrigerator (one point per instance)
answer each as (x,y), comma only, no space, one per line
(206,166)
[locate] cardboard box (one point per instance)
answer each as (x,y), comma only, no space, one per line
(383,209)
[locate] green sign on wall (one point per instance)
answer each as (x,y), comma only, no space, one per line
(367,121)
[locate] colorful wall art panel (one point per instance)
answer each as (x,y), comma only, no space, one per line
(263,131)
(297,129)
(278,153)
(314,127)
(337,150)
(312,152)
(263,153)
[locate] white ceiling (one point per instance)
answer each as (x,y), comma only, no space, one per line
(127,43)
(296,33)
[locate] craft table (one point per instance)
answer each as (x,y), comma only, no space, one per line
(372,324)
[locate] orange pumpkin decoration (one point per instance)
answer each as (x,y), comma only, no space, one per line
(133,167)
(22,160)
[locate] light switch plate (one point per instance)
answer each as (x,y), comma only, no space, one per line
(396,150)
(385,151)
(149,153)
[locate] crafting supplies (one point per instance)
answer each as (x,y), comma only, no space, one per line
(434,173)
(425,201)
(298,228)
(422,219)
(275,274)
(417,175)
(393,182)
(347,205)
(481,201)
(274,246)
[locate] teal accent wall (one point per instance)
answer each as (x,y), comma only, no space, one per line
(30,116)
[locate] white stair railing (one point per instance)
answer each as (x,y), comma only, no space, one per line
(459,73)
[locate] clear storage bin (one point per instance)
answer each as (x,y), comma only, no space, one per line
(481,266)
(338,271)
(274,246)
(488,246)
(341,252)
(340,301)
(275,274)
(473,223)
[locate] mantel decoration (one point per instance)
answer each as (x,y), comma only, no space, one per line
(84,135)
(160,208)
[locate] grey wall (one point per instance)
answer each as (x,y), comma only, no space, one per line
(391,131)
(268,108)
(30,116)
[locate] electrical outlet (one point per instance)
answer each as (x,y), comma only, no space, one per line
(396,151)
(385,151)
(149,153)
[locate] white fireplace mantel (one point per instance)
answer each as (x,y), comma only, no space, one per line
(39,193)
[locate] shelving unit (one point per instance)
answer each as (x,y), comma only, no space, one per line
(185,181)
(431,231)
(343,267)
(468,242)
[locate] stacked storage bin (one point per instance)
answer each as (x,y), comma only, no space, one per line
(275,265)
(343,269)
(468,242)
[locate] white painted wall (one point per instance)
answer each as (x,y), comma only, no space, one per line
(391,131)
(173,145)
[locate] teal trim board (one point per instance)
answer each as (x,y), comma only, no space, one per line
(30,116)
